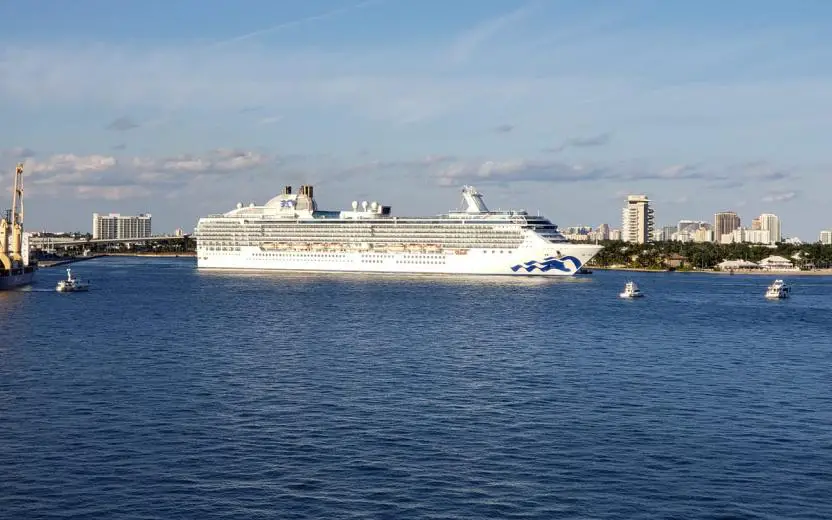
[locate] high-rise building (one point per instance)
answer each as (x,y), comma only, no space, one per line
(771,223)
(690,225)
(826,237)
(725,222)
(755,224)
(603,232)
(115,226)
(667,232)
(637,220)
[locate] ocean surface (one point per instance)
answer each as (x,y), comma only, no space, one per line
(166,392)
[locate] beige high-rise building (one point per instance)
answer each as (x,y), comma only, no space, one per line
(755,224)
(637,220)
(725,222)
(771,223)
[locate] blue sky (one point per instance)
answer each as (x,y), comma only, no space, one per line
(183,107)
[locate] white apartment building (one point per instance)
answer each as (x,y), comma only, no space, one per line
(115,226)
(637,220)
(749,236)
(771,224)
(826,237)
(765,229)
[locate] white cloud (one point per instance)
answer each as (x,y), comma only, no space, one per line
(270,120)
(16,153)
(469,41)
(291,23)
(111,192)
(780,197)
(680,112)
(516,170)
(397,84)
(107,177)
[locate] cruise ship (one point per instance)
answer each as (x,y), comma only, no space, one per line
(289,232)
(15,268)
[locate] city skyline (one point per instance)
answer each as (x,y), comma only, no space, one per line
(558,107)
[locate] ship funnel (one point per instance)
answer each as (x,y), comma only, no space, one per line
(287,190)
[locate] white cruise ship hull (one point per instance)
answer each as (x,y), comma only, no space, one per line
(564,260)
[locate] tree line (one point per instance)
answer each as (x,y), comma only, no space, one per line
(706,255)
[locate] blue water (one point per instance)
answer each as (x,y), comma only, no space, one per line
(171,393)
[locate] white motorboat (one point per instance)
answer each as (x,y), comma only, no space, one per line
(72,284)
(778,290)
(631,290)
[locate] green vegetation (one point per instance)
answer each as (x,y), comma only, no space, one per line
(688,256)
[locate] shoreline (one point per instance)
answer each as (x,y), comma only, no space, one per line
(46,264)
(753,272)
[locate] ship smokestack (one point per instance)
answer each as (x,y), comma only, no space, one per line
(311,190)
(287,190)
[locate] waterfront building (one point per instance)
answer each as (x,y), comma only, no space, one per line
(637,220)
(116,226)
(771,223)
(725,222)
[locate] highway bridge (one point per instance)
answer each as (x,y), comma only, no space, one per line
(64,242)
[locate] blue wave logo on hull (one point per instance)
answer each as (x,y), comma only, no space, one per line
(549,263)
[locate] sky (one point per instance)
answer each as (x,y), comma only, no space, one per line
(182,108)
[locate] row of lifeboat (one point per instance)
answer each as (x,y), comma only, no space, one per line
(359,247)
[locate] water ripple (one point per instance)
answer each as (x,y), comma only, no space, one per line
(169,393)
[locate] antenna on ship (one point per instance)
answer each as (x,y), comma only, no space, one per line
(17,198)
